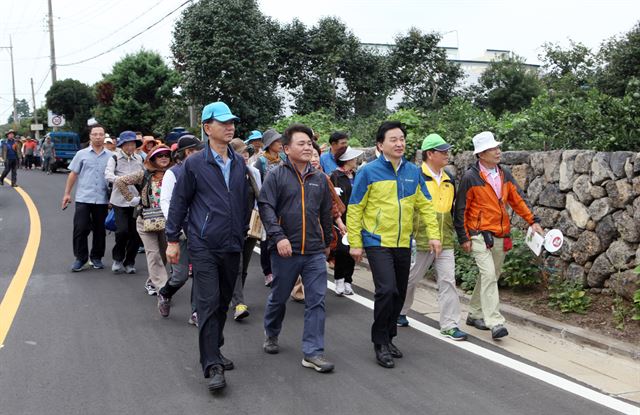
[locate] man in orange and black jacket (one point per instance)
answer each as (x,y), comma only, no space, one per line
(483,227)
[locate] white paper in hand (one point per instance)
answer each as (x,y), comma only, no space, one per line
(534,241)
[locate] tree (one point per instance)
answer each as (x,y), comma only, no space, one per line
(569,70)
(422,71)
(133,96)
(368,80)
(223,51)
(22,108)
(74,100)
(507,85)
(620,62)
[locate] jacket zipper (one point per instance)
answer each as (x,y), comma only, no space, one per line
(399,207)
(304,219)
(204,225)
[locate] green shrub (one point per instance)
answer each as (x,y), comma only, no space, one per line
(568,296)
(521,268)
(636,299)
(466,270)
(620,312)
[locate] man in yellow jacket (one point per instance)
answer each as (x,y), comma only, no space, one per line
(441,186)
(386,194)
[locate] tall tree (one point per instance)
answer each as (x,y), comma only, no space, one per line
(223,51)
(74,100)
(22,108)
(134,94)
(368,80)
(567,71)
(508,85)
(422,71)
(620,59)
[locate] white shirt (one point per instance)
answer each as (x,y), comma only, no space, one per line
(168,183)
(437,176)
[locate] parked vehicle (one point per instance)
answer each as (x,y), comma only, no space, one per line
(66,145)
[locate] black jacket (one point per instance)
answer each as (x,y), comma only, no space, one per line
(218,217)
(297,208)
(342,181)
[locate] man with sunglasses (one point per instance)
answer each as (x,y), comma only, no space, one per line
(441,186)
(211,194)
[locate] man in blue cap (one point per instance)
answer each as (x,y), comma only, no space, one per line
(213,192)
(255,141)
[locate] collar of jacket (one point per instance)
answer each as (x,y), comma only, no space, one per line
(426,173)
(476,168)
(295,171)
(388,164)
(208,157)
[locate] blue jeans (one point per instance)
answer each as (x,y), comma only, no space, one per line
(313,270)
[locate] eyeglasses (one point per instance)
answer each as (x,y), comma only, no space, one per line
(163,155)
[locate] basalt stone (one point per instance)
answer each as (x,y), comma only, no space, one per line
(582,188)
(600,271)
(552,197)
(591,225)
(636,163)
(628,168)
(586,247)
(548,217)
(620,192)
(534,190)
(536,160)
(554,265)
(566,169)
(624,283)
(566,225)
(607,231)
(552,161)
(597,192)
(600,208)
(576,273)
(636,209)
(620,253)
(600,169)
(635,186)
(515,157)
(566,252)
(521,173)
(582,163)
(627,227)
(579,213)
(463,161)
(617,162)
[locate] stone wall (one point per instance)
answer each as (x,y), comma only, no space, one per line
(594,199)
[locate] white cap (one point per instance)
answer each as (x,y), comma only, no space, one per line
(108,139)
(350,154)
(484,141)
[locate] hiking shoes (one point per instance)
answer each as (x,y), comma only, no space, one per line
(216,378)
(271,345)
(477,323)
(454,334)
(164,305)
(402,321)
(193,320)
(241,312)
(318,363)
(340,287)
(117,267)
(79,265)
(499,331)
(97,263)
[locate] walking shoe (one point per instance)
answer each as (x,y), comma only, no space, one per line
(164,305)
(117,267)
(402,321)
(193,320)
(242,311)
(151,289)
(395,352)
(216,378)
(268,280)
(271,345)
(477,323)
(340,287)
(348,290)
(227,364)
(97,264)
(318,363)
(129,269)
(383,356)
(454,334)
(498,331)
(79,265)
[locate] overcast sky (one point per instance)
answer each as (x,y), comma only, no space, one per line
(85,28)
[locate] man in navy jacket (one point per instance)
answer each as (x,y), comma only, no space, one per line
(212,190)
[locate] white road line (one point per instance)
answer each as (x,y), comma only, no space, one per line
(534,372)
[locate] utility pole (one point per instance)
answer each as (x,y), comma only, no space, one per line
(35,111)
(52,46)
(13,82)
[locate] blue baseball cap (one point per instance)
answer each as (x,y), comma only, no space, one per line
(218,111)
(255,135)
(127,136)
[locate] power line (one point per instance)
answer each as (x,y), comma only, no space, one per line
(130,39)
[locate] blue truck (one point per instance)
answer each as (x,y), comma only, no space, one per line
(67,145)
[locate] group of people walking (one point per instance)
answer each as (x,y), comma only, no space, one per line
(25,152)
(192,208)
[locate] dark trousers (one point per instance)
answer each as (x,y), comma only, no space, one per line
(10,165)
(29,161)
(390,269)
(265,257)
(247,253)
(344,263)
(47,163)
(127,238)
(89,218)
(214,276)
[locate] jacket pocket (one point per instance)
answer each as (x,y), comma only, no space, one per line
(203,229)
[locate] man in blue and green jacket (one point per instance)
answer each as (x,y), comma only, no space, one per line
(386,194)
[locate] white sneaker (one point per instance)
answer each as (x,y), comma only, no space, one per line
(151,289)
(347,289)
(117,267)
(340,286)
(130,269)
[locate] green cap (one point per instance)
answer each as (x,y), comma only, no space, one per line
(434,142)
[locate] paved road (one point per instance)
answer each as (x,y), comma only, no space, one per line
(94,343)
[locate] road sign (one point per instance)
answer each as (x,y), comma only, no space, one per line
(37,127)
(55,120)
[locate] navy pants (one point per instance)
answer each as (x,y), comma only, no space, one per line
(127,238)
(313,269)
(390,269)
(89,218)
(214,276)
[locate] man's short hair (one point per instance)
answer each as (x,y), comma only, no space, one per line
(389,125)
(295,128)
(96,125)
(337,136)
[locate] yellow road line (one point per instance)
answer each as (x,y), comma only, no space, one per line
(13,296)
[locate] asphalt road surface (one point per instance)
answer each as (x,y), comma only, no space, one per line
(94,343)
